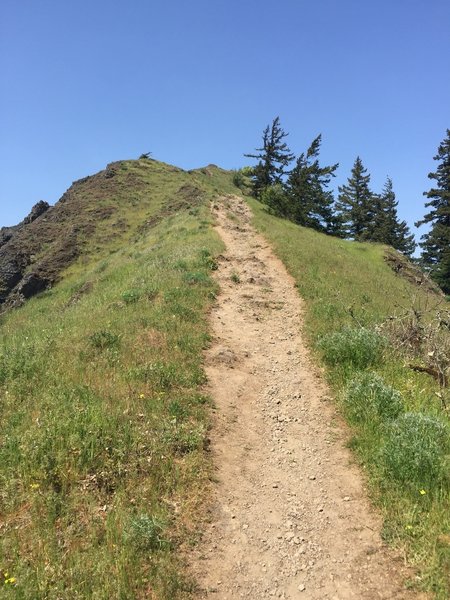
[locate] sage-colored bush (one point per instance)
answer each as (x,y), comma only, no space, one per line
(368,398)
(415,450)
(359,348)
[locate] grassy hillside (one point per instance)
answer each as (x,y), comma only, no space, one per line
(103,421)
(104,424)
(368,324)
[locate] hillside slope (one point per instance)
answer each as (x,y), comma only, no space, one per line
(383,336)
(104,417)
(97,214)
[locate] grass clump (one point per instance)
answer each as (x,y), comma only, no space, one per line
(131,296)
(146,533)
(415,450)
(359,348)
(369,399)
(104,339)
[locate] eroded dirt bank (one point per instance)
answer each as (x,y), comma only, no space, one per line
(290,517)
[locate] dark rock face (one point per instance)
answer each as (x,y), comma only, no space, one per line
(32,284)
(14,254)
(35,252)
(6,234)
(38,209)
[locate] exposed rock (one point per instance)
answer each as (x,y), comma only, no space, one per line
(32,284)
(35,252)
(38,209)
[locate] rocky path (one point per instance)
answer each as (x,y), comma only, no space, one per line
(290,517)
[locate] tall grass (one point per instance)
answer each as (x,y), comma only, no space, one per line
(103,421)
(400,430)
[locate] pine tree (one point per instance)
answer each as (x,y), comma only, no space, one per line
(387,228)
(436,243)
(273,158)
(355,205)
(311,204)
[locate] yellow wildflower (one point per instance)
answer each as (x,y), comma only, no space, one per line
(35,486)
(141,396)
(422,492)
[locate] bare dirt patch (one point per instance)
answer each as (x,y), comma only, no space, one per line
(290,517)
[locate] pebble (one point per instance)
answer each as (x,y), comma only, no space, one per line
(301,587)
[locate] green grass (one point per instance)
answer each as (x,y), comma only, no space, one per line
(400,431)
(103,419)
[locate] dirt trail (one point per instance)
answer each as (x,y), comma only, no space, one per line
(291,518)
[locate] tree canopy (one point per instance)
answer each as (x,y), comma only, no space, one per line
(436,242)
(273,158)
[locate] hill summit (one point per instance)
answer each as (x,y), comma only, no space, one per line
(94,214)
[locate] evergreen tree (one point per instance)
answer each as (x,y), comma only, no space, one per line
(273,158)
(387,228)
(436,243)
(355,206)
(311,204)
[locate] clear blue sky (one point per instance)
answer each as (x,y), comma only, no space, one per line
(84,83)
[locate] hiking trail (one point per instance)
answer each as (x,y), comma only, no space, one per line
(290,517)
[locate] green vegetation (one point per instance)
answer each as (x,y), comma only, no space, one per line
(103,419)
(368,324)
(436,243)
(302,195)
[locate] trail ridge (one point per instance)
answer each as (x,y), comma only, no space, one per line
(290,517)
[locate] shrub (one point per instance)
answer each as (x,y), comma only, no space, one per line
(131,296)
(183,438)
(239,179)
(247,171)
(415,448)
(368,399)
(104,339)
(242,177)
(274,197)
(359,348)
(208,261)
(146,532)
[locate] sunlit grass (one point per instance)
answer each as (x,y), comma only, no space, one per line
(104,424)
(348,291)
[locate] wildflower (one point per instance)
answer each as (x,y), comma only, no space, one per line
(408,527)
(35,486)
(422,492)
(10,580)
(141,396)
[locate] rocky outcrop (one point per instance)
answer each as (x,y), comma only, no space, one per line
(38,209)
(35,252)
